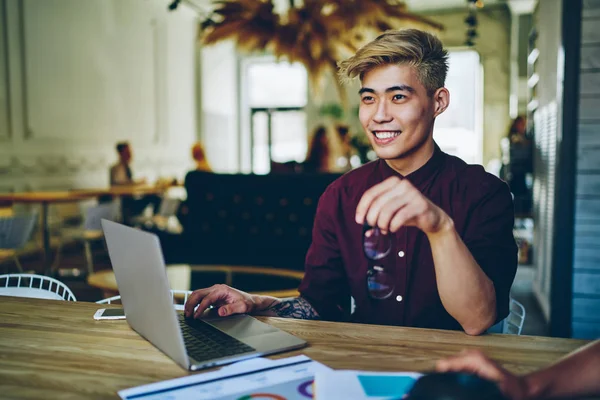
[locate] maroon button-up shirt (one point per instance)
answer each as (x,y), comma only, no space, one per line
(481,207)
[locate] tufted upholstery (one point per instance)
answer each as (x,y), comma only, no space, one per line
(263,220)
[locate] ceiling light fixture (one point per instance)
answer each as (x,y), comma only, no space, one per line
(472,22)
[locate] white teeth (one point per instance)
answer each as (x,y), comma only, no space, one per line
(386,135)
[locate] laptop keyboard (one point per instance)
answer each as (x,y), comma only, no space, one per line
(205,342)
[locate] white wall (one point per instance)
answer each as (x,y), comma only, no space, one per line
(78,76)
(219,104)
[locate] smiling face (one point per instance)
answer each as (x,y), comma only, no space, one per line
(397,115)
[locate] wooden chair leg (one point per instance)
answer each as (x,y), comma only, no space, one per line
(56,263)
(19,266)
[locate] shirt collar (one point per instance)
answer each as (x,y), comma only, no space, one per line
(422,174)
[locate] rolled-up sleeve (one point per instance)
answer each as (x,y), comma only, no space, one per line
(489,237)
(325,284)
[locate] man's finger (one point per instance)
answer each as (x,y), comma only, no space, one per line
(472,362)
(391,196)
(458,360)
(238,307)
(404,201)
(404,215)
(370,195)
(195,298)
(209,300)
(456,364)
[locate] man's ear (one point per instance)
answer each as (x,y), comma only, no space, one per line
(441,100)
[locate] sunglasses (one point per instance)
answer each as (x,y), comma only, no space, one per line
(376,246)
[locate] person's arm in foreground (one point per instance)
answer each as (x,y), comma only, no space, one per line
(465,290)
(575,375)
(228,301)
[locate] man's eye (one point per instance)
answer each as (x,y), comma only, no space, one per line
(367,99)
(399,97)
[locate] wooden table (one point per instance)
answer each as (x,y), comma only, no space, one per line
(180,278)
(122,190)
(55,349)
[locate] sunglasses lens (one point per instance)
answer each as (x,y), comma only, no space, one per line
(379,283)
(376,244)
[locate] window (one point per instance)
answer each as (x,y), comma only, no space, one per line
(276,98)
(458,131)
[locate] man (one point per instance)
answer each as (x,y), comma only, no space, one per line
(453,256)
(574,376)
(121,174)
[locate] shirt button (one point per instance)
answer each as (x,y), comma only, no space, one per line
(398,298)
(400,253)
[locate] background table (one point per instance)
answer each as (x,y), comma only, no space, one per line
(180,278)
(55,349)
(122,190)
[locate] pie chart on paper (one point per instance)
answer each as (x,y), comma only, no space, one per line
(262,396)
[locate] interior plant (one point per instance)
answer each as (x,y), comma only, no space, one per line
(316,33)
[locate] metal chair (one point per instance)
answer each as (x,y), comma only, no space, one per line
(34,286)
(90,230)
(15,232)
(168,209)
(174,293)
(513,324)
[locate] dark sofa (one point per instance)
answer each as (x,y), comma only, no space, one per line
(260,220)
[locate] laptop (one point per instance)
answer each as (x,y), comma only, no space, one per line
(140,271)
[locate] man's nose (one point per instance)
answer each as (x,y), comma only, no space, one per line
(382,113)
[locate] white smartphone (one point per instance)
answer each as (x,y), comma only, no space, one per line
(109,313)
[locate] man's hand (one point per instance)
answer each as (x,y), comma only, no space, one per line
(226,299)
(394,203)
(474,362)
(466,292)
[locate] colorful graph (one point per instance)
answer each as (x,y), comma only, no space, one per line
(300,389)
(262,396)
(306,389)
(385,385)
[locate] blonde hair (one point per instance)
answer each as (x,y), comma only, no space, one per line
(200,157)
(419,49)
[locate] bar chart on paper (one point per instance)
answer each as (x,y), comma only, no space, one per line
(363,385)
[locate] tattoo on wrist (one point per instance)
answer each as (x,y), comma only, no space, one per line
(295,308)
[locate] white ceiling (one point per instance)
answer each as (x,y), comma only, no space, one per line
(429,5)
(413,5)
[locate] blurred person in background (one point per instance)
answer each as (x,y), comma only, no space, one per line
(518,164)
(122,175)
(344,161)
(319,152)
(199,156)
(518,129)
